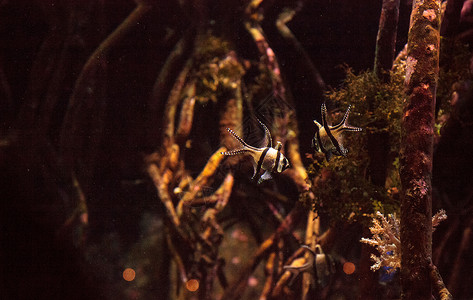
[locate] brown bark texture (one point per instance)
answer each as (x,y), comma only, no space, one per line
(417,149)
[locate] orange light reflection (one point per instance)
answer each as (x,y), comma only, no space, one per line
(349,268)
(129,274)
(192,285)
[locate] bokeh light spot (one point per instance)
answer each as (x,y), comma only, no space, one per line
(129,274)
(349,268)
(192,285)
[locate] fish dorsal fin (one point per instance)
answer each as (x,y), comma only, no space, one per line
(244,144)
(324,116)
(267,135)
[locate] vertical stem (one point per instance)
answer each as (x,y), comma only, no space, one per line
(456,272)
(448,30)
(451,20)
(378,141)
(417,148)
(386,39)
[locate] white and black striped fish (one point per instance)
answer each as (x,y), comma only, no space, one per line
(328,139)
(269,159)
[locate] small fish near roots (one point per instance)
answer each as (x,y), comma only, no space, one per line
(269,159)
(328,139)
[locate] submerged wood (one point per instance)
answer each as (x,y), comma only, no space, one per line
(417,149)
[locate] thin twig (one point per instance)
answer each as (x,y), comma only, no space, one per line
(281,23)
(162,189)
(68,128)
(172,103)
(237,288)
(201,180)
(438,284)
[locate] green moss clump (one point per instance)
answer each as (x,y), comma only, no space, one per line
(343,187)
(217,68)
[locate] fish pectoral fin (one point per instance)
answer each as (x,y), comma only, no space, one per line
(266,176)
(343,150)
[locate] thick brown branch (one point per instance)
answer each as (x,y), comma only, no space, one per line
(417,149)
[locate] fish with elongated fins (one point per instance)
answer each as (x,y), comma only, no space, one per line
(328,139)
(269,159)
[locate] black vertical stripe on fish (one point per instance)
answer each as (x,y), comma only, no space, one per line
(260,161)
(327,129)
(276,162)
(333,139)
